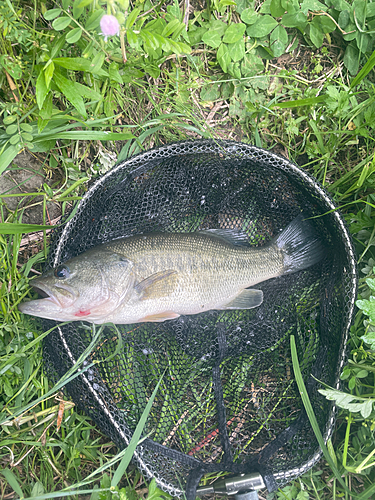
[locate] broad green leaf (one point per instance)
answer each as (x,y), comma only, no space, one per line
(97,62)
(179,47)
(46,110)
(26,127)
(316,36)
(84,3)
(150,41)
(12,129)
(114,73)
(349,402)
(210,92)
(9,119)
(344,19)
(371,283)
(351,58)
(237,50)
(369,338)
(43,146)
(352,31)
(74,63)
(38,489)
(277,10)
(359,11)
(52,14)
(251,65)
(212,39)
(61,23)
(195,35)
(312,6)
(59,44)
(249,16)
(340,5)
(324,23)
(41,89)
(368,307)
(219,26)
(94,20)
(77,9)
(133,39)
(15,139)
(130,20)
(80,64)
(26,136)
(68,88)
(74,35)
(234,33)
(171,27)
(266,7)
(295,20)
(363,40)
(278,40)
(366,408)
(223,57)
(262,27)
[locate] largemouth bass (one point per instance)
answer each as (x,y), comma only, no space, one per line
(156,277)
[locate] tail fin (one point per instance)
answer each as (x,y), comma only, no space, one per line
(300,245)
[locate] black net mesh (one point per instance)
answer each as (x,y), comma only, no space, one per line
(228,400)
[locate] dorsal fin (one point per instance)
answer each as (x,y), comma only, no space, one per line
(233,236)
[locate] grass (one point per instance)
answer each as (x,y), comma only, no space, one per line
(305,104)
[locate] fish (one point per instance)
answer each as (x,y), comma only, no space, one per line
(156,277)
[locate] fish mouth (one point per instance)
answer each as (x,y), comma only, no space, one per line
(61,295)
(52,305)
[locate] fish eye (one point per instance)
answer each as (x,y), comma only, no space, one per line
(61,272)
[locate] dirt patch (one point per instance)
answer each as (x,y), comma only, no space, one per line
(25,176)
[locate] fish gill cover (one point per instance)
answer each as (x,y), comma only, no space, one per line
(228,400)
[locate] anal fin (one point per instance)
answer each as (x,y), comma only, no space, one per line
(159,317)
(247,299)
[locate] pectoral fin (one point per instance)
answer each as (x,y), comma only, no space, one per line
(247,299)
(157,285)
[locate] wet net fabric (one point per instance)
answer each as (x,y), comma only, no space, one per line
(228,400)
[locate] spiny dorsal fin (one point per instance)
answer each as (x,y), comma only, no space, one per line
(233,236)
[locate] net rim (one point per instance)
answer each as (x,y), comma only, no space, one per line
(247,152)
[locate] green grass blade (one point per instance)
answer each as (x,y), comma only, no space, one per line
(311,415)
(309,101)
(60,494)
(87,135)
(12,480)
(75,371)
(134,440)
(364,71)
(13,228)
(7,156)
